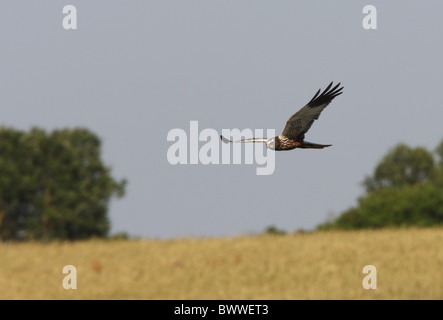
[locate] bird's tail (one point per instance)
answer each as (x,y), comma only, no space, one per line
(310,145)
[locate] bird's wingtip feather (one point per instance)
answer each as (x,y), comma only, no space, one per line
(224,139)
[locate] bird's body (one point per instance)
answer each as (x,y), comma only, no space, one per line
(293,134)
(282,143)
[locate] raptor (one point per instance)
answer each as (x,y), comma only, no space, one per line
(293,135)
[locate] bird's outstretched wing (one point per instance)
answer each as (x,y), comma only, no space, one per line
(244,140)
(300,122)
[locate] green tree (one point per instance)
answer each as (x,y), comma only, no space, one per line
(274,230)
(405,189)
(401,166)
(419,205)
(54,186)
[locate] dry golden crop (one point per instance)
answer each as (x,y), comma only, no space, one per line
(318,265)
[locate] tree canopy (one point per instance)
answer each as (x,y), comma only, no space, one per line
(401,166)
(405,189)
(54,185)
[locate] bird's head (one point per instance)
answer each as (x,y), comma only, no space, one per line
(270,143)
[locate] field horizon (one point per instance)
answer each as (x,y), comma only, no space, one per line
(313,265)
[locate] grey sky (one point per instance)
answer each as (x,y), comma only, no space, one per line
(133,70)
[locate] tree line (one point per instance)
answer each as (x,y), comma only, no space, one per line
(405,189)
(54,185)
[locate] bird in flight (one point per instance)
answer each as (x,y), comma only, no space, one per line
(293,135)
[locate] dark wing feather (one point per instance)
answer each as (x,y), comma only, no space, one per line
(301,121)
